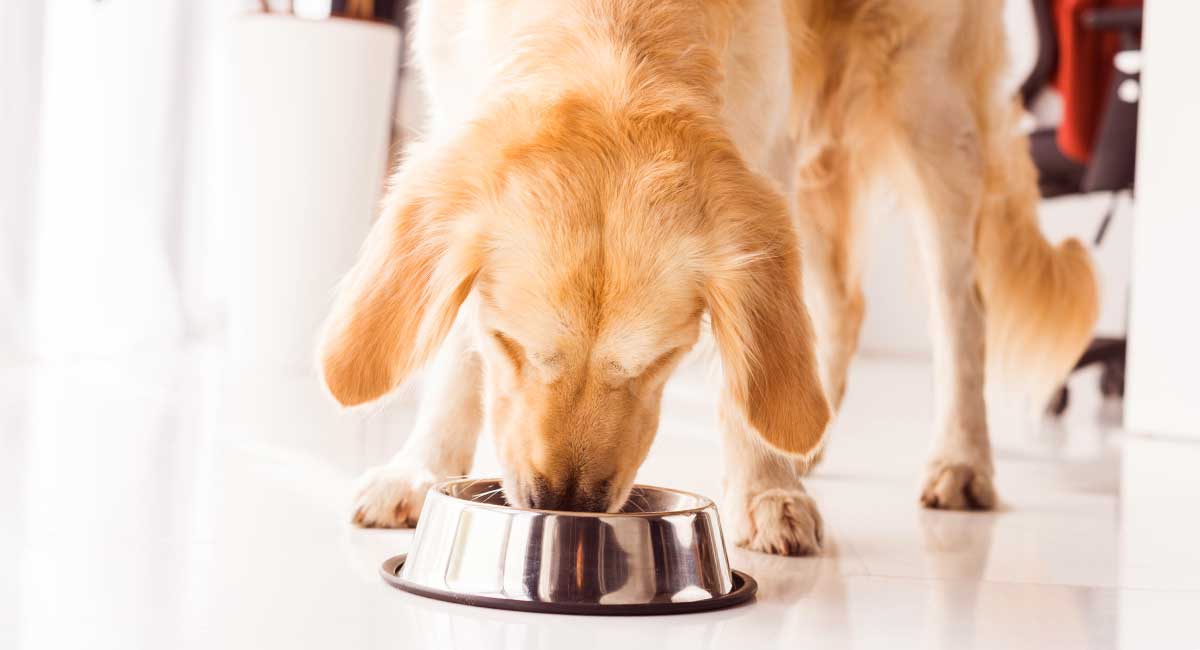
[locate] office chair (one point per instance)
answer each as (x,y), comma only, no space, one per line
(1111,165)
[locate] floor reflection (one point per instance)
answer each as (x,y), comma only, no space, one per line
(14,416)
(110,474)
(176,504)
(956,544)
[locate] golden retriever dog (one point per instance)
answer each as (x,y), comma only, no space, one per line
(604,179)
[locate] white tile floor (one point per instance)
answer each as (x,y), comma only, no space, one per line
(170,505)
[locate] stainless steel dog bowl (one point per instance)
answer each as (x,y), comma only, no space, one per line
(663,554)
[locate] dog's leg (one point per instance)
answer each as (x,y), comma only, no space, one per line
(442,444)
(945,190)
(830,229)
(829,233)
(764,505)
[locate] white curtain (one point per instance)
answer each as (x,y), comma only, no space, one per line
(20,93)
(111,145)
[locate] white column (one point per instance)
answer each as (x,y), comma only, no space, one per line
(1163,393)
(311,116)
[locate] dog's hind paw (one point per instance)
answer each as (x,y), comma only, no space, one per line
(778,521)
(958,486)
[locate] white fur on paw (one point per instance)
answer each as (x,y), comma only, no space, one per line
(803,467)
(779,521)
(391,496)
(958,486)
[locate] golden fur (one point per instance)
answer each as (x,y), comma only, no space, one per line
(617,176)
(874,94)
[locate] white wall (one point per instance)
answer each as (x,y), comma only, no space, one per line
(20,101)
(1163,393)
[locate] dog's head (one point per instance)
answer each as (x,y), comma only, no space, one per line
(595,244)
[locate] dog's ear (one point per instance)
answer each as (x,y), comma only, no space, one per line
(400,299)
(759,320)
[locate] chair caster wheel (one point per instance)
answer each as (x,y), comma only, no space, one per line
(1112,379)
(1058,404)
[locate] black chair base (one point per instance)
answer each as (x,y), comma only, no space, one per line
(1110,353)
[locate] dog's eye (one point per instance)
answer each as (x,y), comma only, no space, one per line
(511,349)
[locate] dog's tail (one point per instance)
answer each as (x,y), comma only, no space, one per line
(1041,300)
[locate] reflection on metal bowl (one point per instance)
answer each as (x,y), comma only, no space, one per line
(663,554)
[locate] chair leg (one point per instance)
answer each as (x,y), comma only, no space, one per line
(1058,405)
(1112,380)
(1107,351)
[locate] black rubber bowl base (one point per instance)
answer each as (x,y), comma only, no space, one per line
(744,588)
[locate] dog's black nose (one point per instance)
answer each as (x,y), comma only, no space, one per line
(570,496)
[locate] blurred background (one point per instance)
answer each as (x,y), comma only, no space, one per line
(183,182)
(123,152)
(152,149)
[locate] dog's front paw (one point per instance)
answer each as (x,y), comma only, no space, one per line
(391,496)
(779,521)
(958,486)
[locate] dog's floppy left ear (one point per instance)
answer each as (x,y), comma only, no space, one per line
(399,301)
(761,325)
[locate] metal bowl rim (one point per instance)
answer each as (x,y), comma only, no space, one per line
(705,503)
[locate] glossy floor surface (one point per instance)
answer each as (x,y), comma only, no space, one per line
(175,503)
